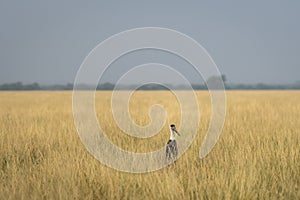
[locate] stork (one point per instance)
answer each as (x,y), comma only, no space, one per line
(171,148)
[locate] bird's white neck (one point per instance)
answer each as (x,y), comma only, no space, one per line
(172,134)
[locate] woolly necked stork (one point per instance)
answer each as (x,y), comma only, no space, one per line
(171,148)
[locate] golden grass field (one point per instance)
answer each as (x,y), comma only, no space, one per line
(257,156)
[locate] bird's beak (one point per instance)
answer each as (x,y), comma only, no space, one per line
(177,132)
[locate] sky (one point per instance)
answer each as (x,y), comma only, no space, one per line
(250,41)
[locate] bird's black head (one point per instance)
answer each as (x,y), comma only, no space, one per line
(172,126)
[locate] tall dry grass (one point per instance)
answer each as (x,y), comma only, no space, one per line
(257,157)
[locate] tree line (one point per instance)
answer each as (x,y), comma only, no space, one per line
(109,86)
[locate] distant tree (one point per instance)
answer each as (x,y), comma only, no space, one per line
(12,86)
(224,78)
(33,86)
(199,87)
(106,86)
(216,82)
(152,87)
(296,85)
(69,86)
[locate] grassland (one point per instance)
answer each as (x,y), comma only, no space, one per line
(257,156)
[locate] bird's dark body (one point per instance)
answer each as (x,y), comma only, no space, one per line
(171,150)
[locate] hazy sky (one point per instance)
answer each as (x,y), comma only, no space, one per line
(250,41)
